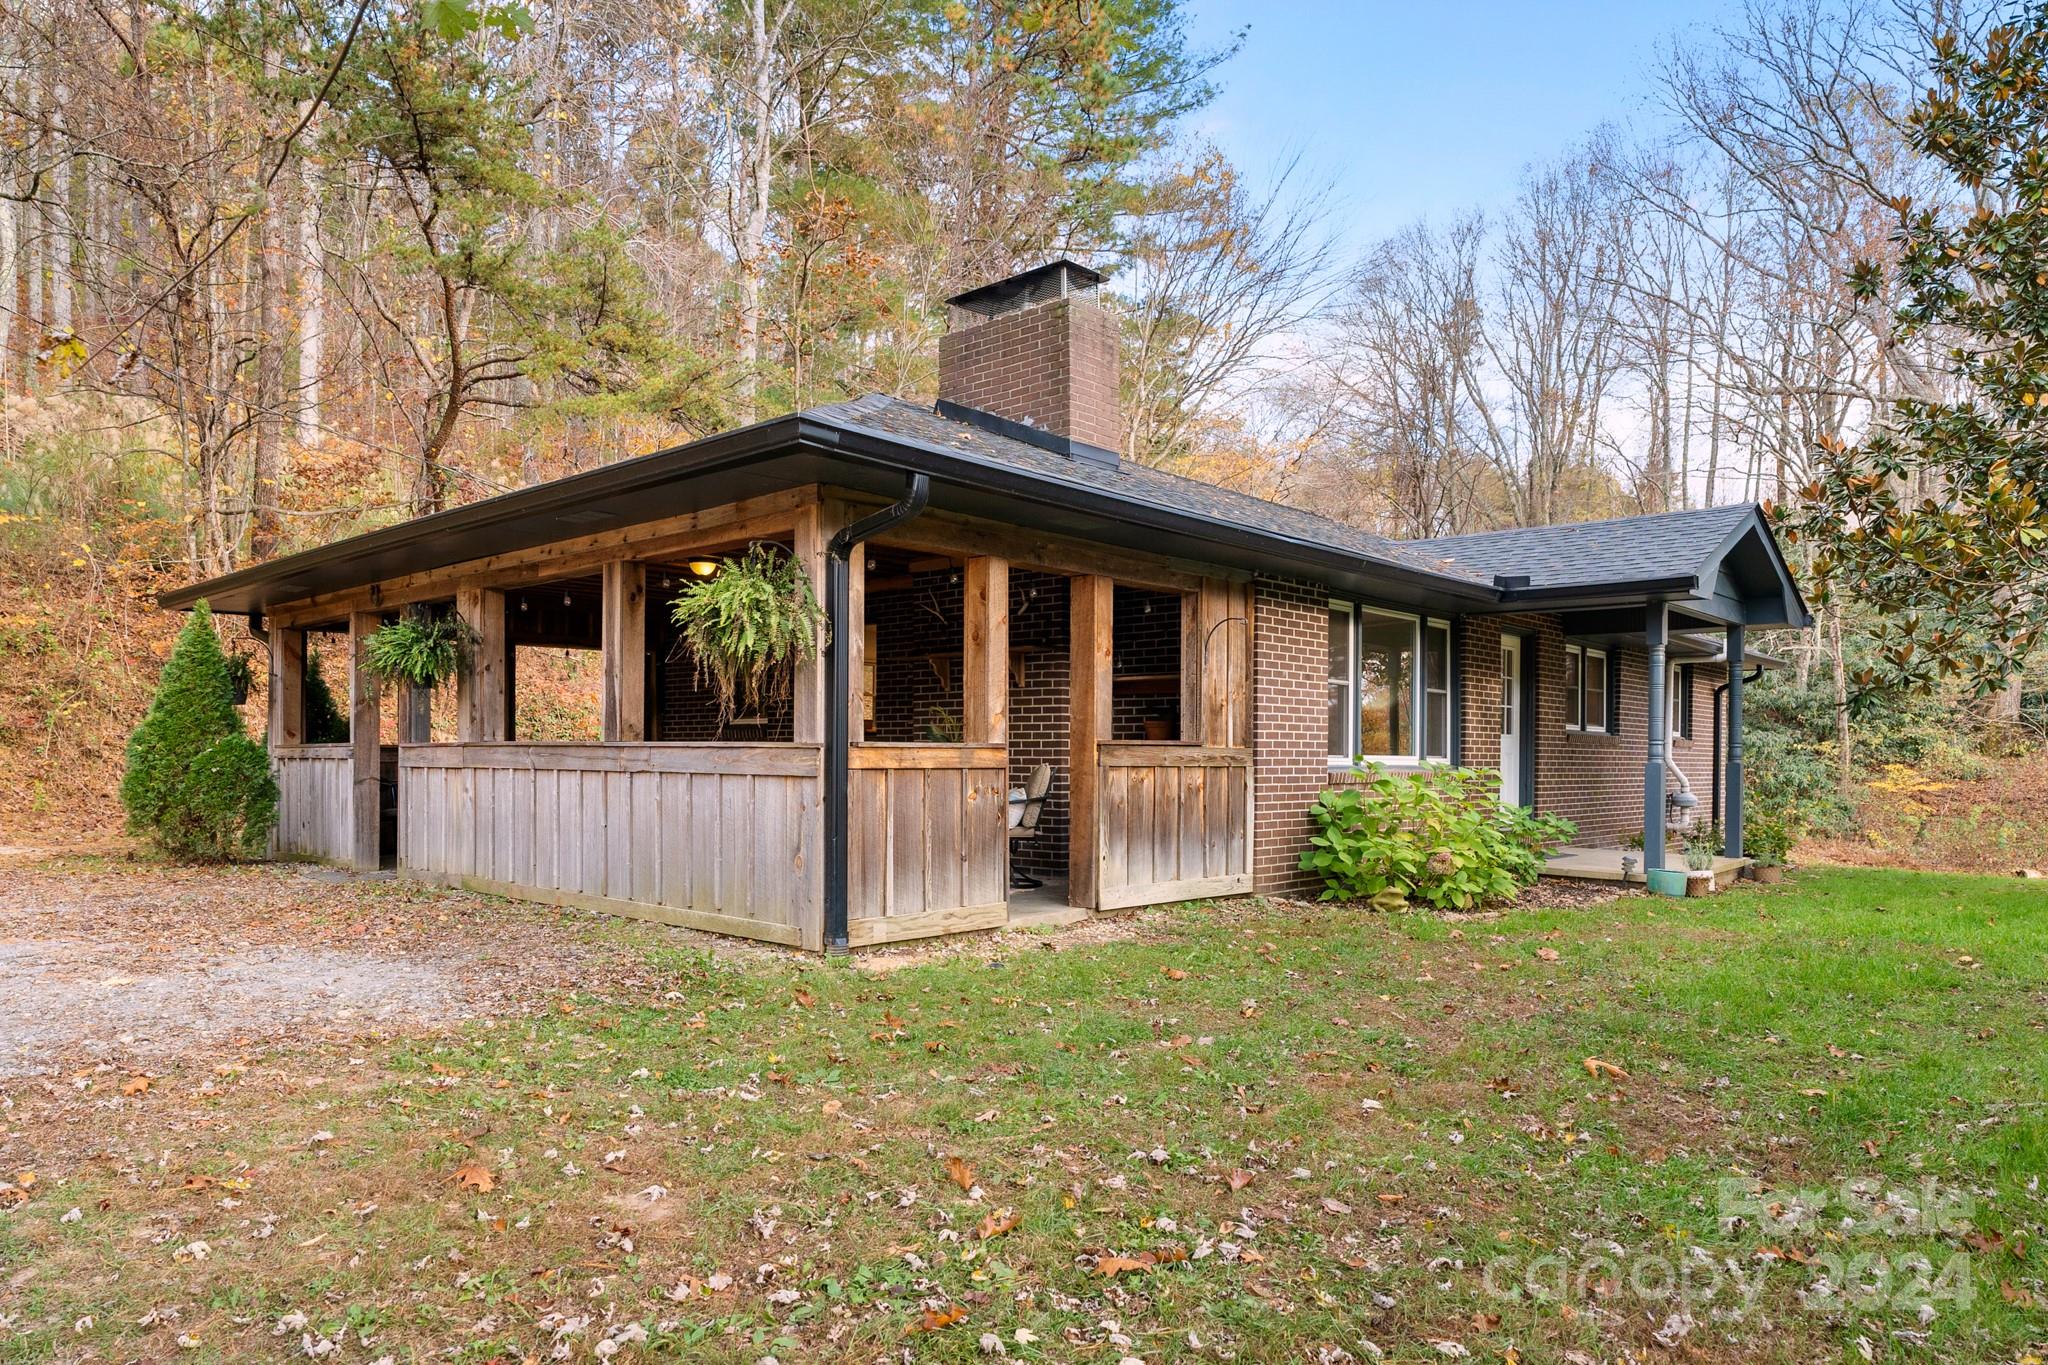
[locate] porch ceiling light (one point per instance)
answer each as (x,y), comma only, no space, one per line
(703,568)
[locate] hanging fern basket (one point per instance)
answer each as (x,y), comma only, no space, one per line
(747,627)
(420,649)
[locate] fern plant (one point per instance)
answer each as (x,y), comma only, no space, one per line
(747,627)
(423,649)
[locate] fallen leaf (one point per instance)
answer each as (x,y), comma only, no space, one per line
(936,1320)
(962,1173)
(476,1176)
(996,1224)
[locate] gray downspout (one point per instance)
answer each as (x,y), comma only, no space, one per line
(839,690)
(1720,692)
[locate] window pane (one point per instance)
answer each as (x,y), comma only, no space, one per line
(1386,682)
(1436,679)
(1596,692)
(1340,683)
(1571,687)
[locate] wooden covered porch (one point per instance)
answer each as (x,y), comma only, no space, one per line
(667,815)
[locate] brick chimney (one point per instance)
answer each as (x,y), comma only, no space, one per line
(1035,356)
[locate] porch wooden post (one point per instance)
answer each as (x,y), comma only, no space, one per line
(1732,769)
(625,651)
(1090,658)
(364,745)
(1215,664)
(482,686)
(815,525)
(287,687)
(855,700)
(985,685)
(1653,766)
(415,714)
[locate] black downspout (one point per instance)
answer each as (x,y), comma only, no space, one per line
(1720,757)
(839,691)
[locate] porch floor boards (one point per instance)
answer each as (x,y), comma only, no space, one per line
(1043,906)
(1604,864)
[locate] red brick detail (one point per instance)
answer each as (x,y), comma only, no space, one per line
(1053,365)
(1290,727)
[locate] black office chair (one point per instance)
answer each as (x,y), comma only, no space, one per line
(1035,788)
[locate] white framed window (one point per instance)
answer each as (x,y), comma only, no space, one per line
(1342,676)
(1585,688)
(1678,702)
(1436,690)
(1390,686)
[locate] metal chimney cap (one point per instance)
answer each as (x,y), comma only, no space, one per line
(1053,280)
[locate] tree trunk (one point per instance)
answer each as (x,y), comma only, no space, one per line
(312,305)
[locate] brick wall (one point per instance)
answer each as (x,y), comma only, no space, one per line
(1053,365)
(914,702)
(1038,711)
(1147,639)
(1290,726)
(1595,780)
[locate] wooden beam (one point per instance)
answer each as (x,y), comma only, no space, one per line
(363,743)
(287,688)
(625,651)
(481,687)
(966,537)
(985,682)
(1090,660)
(415,714)
(746,519)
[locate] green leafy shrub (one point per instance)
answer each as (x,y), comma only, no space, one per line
(1440,836)
(421,648)
(196,786)
(748,626)
(1767,838)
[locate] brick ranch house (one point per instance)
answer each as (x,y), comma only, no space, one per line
(1180,667)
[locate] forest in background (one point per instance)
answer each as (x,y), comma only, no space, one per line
(274,274)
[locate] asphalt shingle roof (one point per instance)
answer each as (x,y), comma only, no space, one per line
(894,419)
(1591,553)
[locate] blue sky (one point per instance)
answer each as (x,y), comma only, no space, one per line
(1423,109)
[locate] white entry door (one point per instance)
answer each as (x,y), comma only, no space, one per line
(1511,720)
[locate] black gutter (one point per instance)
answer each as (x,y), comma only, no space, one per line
(1685,584)
(890,451)
(839,690)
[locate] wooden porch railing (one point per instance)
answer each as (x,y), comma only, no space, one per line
(315,801)
(927,849)
(1176,823)
(713,836)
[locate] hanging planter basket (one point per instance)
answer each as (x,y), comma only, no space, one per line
(747,627)
(420,649)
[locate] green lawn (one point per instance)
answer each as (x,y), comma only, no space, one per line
(1314,1132)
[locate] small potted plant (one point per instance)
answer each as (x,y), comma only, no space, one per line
(422,649)
(1767,842)
(241,674)
(1699,868)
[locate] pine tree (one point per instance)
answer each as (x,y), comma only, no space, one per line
(196,785)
